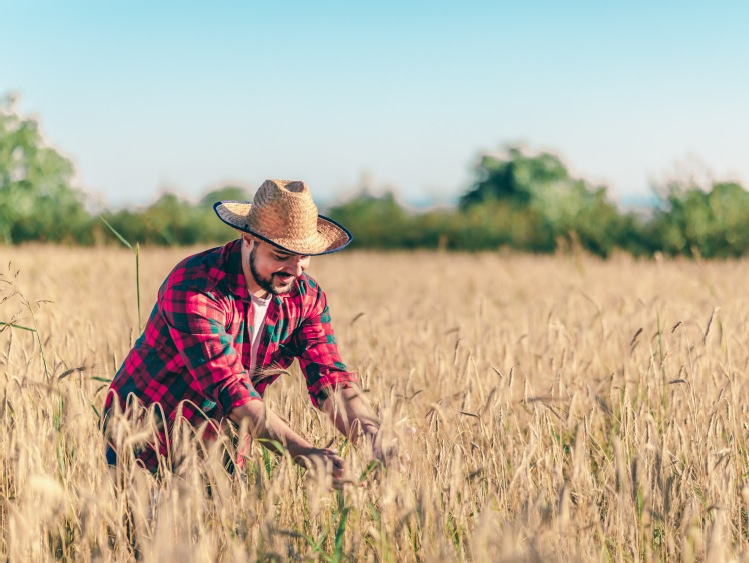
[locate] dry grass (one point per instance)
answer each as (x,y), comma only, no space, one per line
(564,408)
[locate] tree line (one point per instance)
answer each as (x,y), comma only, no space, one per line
(518,199)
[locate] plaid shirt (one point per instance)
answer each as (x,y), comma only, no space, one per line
(195,351)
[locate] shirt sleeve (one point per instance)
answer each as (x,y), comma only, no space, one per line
(318,354)
(196,325)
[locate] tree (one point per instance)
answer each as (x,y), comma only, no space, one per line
(712,222)
(538,189)
(515,176)
(224,193)
(375,222)
(171,220)
(37,199)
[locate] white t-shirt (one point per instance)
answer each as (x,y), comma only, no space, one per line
(259,307)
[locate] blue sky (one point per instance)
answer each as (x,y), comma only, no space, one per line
(146,96)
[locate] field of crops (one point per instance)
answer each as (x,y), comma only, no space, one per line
(563,408)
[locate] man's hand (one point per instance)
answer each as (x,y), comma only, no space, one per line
(386,454)
(379,452)
(269,428)
(264,424)
(353,419)
(323,460)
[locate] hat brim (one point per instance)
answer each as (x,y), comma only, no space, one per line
(330,236)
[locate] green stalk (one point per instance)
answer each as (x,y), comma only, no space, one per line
(137,282)
(664,381)
(34,328)
(14,325)
(136,251)
(341,528)
(38,339)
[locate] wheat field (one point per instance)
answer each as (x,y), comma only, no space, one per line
(545,408)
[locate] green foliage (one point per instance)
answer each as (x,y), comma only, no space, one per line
(225,193)
(539,192)
(499,223)
(374,222)
(173,221)
(521,200)
(516,177)
(713,224)
(531,203)
(37,200)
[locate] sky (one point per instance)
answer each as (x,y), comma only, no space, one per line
(147,96)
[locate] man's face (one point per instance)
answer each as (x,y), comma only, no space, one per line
(273,269)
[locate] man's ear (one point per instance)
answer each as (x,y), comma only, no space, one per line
(248,240)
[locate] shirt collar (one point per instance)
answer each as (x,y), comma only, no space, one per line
(232,270)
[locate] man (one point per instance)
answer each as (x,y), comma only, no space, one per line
(222,317)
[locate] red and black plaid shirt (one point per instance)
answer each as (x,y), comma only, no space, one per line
(196,348)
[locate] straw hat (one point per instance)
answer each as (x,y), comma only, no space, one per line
(283,214)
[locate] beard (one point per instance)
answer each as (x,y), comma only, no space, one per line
(267,283)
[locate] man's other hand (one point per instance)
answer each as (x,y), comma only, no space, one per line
(322,461)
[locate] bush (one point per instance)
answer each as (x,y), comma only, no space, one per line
(713,224)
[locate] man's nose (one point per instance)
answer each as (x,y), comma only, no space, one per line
(296,268)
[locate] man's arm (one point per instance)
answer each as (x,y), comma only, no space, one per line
(332,388)
(352,417)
